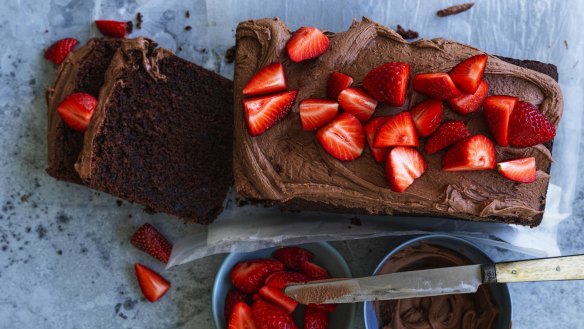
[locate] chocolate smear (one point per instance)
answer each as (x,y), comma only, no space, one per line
(456,9)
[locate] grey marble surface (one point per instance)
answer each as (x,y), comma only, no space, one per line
(65,257)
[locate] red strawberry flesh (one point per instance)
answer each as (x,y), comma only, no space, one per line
(343,138)
(59,50)
(268,80)
(528,126)
(278,297)
(337,82)
(472,153)
(371,129)
(467,75)
(388,83)
(76,110)
(241,317)
(149,240)
(314,113)
(468,103)
(249,276)
(357,102)
(436,85)
(114,29)
(497,112)
(519,170)
(398,130)
(404,165)
(292,256)
(313,271)
(261,113)
(315,318)
(447,134)
(153,285)
(282,279)
(233,297)
(427,116)
(307,43)
(269,316)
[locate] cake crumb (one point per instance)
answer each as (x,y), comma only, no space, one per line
(566,44)
(230,55)
(24,198)
(456,9)
(407,34)
(356,221)
(129,27)
(187,14)
(188,28)
(139,20)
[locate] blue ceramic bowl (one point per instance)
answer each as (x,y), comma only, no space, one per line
(500,291)
(324,255)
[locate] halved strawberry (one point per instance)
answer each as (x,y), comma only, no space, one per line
(388,83)
(447,134)
(468,103)
(153,285)
(315,318)
(427,116)
(343,138)
(306,43)
(468,74)
(263,112)
(249,276)
(269,316)
(528,126)
(371,129)
(519,170)
(326,307)
(436,85)
(497,111)
(313,271)
(59,50)
(472,153)
(292,256)
(114,29)
(76,110)
(404,165)
(278,297)
(241,317)
(357,102)
(149,240)
(268,80)
(233,297)
(281,279)
(314,112)
(398,130)
(337,82)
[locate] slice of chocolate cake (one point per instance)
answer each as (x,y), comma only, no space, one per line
(286,165)
(82,71)
(161,135)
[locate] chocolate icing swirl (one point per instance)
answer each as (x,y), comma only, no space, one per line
(468,311)
(286,163)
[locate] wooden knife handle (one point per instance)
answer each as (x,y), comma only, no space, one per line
(544,269)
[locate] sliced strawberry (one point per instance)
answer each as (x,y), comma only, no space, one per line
(76,110)
(281,279)
(249,276)
(398,130)
(278,297)
(436,85)
(388,83)
(149,240)
(427,116)
(261,113)
(468,103)
(307,43)
(59,50)
(114,29)
(404,165)
(371,129)
(268,80)
(315,113)
(472,153)
(357,102)
(241,317)
(447,134)
(326,307)
(519,170)
(468,74)
(291,256)
(343,138)
(269,316)
(233,297)
(315,318)
(528,126)
(497,111)
(337,82)
(153,285)
(313,271)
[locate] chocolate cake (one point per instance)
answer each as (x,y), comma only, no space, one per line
(82,71)
(286,165)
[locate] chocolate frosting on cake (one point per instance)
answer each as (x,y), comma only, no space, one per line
(460,311)
(286,164)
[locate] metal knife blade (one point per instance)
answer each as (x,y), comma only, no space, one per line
(434,282)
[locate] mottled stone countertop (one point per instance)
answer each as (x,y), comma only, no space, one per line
(65,256)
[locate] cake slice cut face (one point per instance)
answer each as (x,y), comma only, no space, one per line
(162,134)
(287,166)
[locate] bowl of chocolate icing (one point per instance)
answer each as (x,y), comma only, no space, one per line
(488,308)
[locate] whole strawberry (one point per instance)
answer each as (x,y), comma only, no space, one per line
(528,126)
(268,316)
(149,240)
(388,83)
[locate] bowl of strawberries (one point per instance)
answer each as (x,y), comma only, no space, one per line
(249,289)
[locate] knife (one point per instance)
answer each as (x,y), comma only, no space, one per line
(434,282)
